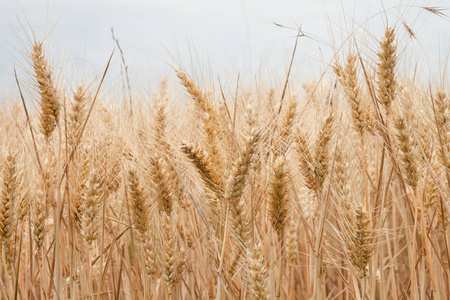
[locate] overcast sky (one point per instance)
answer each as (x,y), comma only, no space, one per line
(211,38)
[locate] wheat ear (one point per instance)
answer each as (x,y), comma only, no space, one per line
(77,114)
(278,196)
(360,244)
(91,207)
(139,204)
(237,181)
(257,273)
(348,78)
(387,83)
(7,215)
(322,153)
(405,145)
(49,101)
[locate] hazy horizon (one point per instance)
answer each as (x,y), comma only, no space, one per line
(211,38)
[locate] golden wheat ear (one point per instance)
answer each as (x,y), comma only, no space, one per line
(387,83)
(278,196)
(257,273)
(139,204)
(323,153)
(7,211)
(407,156)
(39,221)
(348,78)
(49,96)
(360,244)
(91,207)
(205,167)
(160,178)
(78,113)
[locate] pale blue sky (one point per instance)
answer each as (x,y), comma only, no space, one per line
(212,38)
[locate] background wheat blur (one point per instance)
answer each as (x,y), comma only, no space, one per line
(332,189)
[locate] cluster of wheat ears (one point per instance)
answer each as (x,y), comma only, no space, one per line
(337,192)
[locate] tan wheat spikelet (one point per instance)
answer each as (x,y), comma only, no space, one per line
(285,129)
(292,242)
(150,255)
(306,160)
(278,196)
(407,156)
(199,98)
(8,220)
(343,191)
(237,181)
(432,194)
(24,199)
(163,193)
(204,166)
(77,114)
(91,206)
(443,215)
(387,83)
(39,220)
(49,101)
(360,244)
(82,181)
(257,273)
(170,254)
(442,108)
(322,153)
(139,204)
(349,80)
(8,198)
(110,166)
(160,124)
(442,105)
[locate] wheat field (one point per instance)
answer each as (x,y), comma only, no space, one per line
(332,189)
